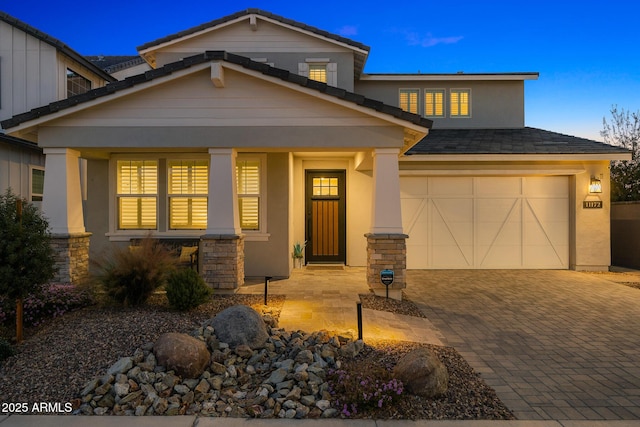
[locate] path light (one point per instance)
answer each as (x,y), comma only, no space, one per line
(595,186)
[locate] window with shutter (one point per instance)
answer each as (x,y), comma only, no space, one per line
(248,177)
(409,100)
(137,194)
(434,102)
(188,186)
(460,103)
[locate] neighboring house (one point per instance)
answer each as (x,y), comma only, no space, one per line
(35,69)
(234,138)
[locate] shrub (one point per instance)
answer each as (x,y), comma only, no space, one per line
(6,350)
(130,275)
(186,289)
(51,301)
(363,386)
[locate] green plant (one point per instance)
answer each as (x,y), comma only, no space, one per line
(361,386)
(27,260)
(6,350)
(186,289)
(130,275)
(298,251)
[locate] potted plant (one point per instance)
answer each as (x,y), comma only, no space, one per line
(298,253)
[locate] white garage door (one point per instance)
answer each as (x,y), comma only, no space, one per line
(486,222)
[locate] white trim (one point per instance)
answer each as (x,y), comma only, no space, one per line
(317,60)
(445,104)
(261,232)
(448,77)
(410,90)
(460,116)
(38,203)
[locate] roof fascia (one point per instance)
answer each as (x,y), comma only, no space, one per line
(452,77)
(417,130)
(514,157)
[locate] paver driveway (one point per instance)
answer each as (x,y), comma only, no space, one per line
(553,344)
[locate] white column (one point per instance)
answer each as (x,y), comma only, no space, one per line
(386,217)
(222,212)
(62,201)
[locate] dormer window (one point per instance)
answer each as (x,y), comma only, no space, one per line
(76,84)
(318,72)
(319,69)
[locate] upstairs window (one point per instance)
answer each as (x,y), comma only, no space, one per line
(318,72)
(137,194)
(76,84)
(188,185)
(409,100)
(460,103)
(434,102)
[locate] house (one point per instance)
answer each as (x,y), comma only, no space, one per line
(35,69)
(253,132)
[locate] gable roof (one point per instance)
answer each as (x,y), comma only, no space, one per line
(360,57)
(525,140)
(209,56)
(56,44)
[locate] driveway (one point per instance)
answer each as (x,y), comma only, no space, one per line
(553,344)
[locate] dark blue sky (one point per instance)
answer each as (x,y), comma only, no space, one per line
(587,52)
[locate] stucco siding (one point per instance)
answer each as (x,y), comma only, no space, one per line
(494,104)
(96,207)
(271,257)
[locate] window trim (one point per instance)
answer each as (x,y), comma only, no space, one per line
(31,193)
(444,102)
(69,69)
(410,90)
(162,225)
(168,195)
(460,90)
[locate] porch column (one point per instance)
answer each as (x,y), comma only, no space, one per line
(222,247)
(386,242)
(62,205)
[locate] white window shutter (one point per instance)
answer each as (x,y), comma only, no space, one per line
(332,74)
(303,69)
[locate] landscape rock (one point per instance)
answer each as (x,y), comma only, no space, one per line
(422,373)
(240,325)
(185,355)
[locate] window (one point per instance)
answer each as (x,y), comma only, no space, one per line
(248,177)
(188,185)
(318,72)
(460,103)
(137,194)
(409,100)
(325,186)
(37,184)
(76,84)
(434,102)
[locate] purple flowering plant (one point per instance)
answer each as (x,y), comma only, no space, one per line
(361,387)
(54,300)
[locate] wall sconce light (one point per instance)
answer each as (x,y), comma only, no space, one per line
(595,186)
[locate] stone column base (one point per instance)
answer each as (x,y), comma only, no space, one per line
(387,252)
(222,261)
(72,257)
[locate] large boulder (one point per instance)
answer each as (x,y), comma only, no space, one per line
(240,325)
(185,355)
(422,373)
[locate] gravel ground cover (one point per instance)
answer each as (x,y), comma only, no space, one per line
(57,359)
(404,306)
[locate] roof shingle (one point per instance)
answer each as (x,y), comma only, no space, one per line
(525,140)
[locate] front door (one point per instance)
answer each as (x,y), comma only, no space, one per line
(325,216)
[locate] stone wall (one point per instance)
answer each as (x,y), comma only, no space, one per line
(222,261)
(625,234)
(387,252)
(72,257)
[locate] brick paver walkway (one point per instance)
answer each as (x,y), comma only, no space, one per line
(553,344)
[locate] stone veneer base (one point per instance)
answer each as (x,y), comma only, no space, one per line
(387,252)
(222,261)
(72,257)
